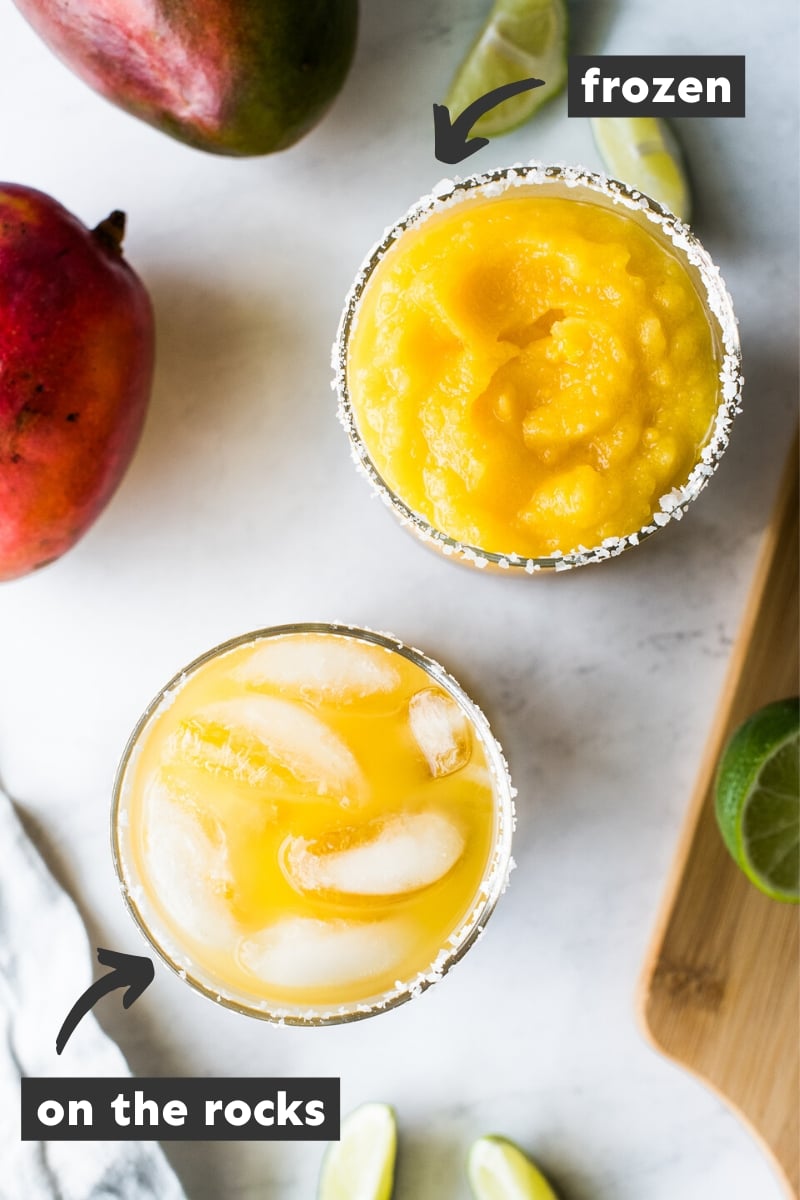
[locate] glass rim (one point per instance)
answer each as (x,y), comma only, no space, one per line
(491,886)
(717,305)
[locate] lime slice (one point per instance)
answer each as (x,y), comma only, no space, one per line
(498,1170)
(758,799)
(361,1165)
(522,39)
(642,152)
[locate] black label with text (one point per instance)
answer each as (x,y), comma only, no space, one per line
(655,85)
(178,1110)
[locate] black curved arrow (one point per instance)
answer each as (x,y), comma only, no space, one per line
(129,970)
(452,142)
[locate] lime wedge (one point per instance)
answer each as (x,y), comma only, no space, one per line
(361,1165)
(642,152)
(758,799)
(498,1170)
(522,39)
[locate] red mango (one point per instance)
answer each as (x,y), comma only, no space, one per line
(76,367)
(231,76)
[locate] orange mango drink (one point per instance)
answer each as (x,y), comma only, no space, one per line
(312,823)
(528,372)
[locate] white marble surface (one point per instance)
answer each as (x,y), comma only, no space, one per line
(242,509)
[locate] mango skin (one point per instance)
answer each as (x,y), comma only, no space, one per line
(76,367)
(238,77)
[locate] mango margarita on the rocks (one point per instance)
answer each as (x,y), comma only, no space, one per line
(529,372)
(312,823)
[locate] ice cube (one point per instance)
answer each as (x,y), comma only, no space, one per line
(300,952)
(321,667)
(441,730)
(408,852)
(187,866)
(218,753)
(295,739)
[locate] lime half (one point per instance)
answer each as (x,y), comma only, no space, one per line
(522,39)
(758,799)
(361,1165)
(642,152)
(498,1170)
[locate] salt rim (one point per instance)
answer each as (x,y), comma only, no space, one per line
(672,506)
(493,884)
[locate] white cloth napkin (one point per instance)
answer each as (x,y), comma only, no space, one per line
(45,965)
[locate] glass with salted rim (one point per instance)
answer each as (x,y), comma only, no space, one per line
(162,935)
(537,179)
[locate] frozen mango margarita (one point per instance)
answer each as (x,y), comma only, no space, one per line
(312,823)
(534,368)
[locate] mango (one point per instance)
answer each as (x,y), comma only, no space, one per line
(240,77)
(76,367)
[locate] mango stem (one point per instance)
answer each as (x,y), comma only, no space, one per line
(111,231)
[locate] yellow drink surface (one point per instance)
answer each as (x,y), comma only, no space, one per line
(531,374)
(309,818)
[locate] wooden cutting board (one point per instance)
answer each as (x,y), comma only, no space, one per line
(720,992)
